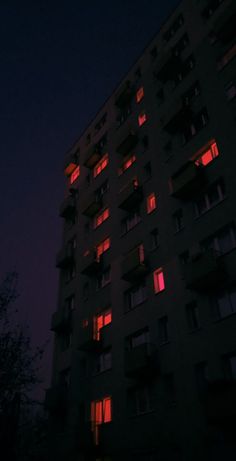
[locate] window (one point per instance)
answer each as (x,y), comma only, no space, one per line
(191,93)
(214,195)
(139,400)
(142,118)
(65,340)
(75,175)
(99,167)
(101,320)
(151,202)
(147,171)
(222,241)
(207,155)
(229,366)
(123,115)
(101,413)
(102,247)
(230,90)
(211,8)
(135,296)
(228,56)
(163,330)
(138,338)
(195,125)
(154,239)
(178,220)
(101,217)
(158,280)
(224,303)
(70,272)
(103,362)
(100,123)
(202,376)
(192,314)
(181,45)
(177,23)
(130,221)
(184,258)
(126,164)
(140,94)
(185,69)
(85,291)
(103,279)
(145,142)
(101,190)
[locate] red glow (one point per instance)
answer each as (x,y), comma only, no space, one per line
(75,174)
(99,167)
(151,202)
(127,164)
(142,118)
(102,247)
(208,155)
(100,321)
(158,280)
(101,413)
(100,218)
(70,168)
(140,94)
(141,253)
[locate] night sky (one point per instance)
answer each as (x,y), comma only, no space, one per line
(59,63)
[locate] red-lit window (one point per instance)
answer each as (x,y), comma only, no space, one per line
(208,155)
(140,94)
(101,413)
(75,174)
(100,321)
(151,202)
(101,217)
(158,280)
(142,118)
(100,165)
(127,164)
(102,247)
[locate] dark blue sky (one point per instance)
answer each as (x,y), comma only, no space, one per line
(59,62)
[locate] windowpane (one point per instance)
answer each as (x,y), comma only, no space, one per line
(142,118)
(75,175)
(158,279)
(139,94)
(151,202)
(100,165)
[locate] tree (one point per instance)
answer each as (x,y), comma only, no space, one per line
(19,367)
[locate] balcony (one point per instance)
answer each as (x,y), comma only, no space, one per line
(91,205)
(130,196)
(178,117)
(187,180)
(205,271)
(225,26)
(106,441)
(167,67)
(71,163)
(141,361)
(67,207)
(60,323)
(134,266)
(56,399)
(91,263)
(127,140)
(87,341)
(124,95)
(64,258)
(92,156)
(220,402)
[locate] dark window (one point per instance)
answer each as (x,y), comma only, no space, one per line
(169,388)
(147,171)
(178,220)
(192,314)
(196,123)
(103,361)
(154,239)
(140,400)
(176,24)
(229,365)
(130,221)
(191,93)
(185,69)
(224,303)
(103,279)
(202,376)
(211,8)
(135,296)
(222,241)
(181,45)
(123,115)
(102,190)
(163,330)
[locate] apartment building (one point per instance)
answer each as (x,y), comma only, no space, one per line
(144,361)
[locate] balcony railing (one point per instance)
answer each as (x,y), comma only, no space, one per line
(178,116)
(91,263)
(91,205)
(134,265)
(127,139)
(225,25)
(56,399)
(187,180)
(124,95)
(67,207)
(130,196)
(141,361)
(220,402)
(167,66)
(64,258)
(205,271)
(60,322)
(87,340)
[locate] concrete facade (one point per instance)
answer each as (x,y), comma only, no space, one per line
(167,359)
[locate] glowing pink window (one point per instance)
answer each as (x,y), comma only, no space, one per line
(158,280)
(100,321)
(151,202)
(75,175)
(140,94)
(142,118)
(102,247)
(208,155)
